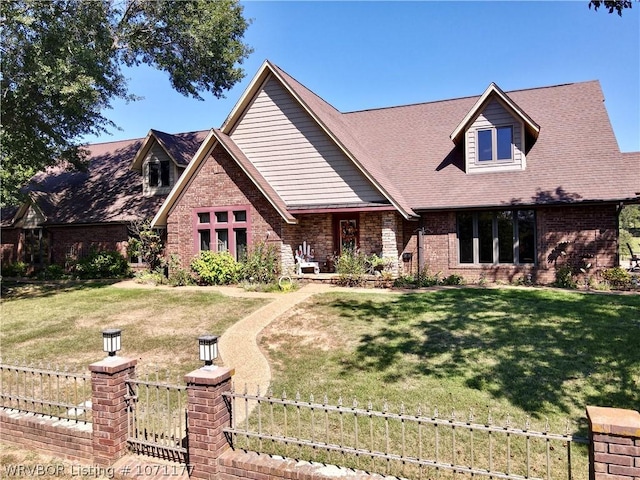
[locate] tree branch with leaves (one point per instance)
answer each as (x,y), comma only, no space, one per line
(61,67)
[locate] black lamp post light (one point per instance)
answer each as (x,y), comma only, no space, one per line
(208,347)
(111,341)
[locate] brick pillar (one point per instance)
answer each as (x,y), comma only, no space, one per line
(389,240)
(108,391)
(207,415)
(614,443)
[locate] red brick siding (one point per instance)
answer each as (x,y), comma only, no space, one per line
(591,230)
(9,245)
(85,238)
(219,182)
(47,436)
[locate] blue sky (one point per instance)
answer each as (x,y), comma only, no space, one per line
(362,55)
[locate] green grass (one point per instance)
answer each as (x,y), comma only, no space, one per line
(542,353)
(516,354)
(62,324)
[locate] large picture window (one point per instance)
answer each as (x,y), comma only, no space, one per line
(494,237)
(222,230)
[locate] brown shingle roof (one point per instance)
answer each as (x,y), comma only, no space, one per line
(108,191)
(575,158)
(181,146)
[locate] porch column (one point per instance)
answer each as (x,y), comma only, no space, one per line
(390,240)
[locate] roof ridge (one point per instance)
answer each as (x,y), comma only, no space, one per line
(467,97)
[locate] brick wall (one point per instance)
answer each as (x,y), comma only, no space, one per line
(591,232)
(614,450)
(51,436)
(85,238)
(220,182)
(10,238)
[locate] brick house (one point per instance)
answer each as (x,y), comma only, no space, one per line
(492,186)
(68,213)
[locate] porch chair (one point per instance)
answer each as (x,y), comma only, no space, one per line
(634,258)
(305,258)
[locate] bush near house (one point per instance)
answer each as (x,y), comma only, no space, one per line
(216,268)
(102,264)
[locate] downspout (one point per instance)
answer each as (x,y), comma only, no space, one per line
(618,212)
(420,240)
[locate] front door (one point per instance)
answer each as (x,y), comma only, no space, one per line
(346,229)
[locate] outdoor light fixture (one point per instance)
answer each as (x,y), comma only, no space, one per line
(208,349)
(111,341)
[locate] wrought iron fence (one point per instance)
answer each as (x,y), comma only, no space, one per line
(401,444)
(46,391)
(157,419)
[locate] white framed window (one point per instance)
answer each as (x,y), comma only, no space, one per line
(494,144)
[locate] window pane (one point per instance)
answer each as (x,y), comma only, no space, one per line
(205,239)
(204,217)
(241,243)
(485,237)
(484,146)
(505,237)
(154,175)
(526,236)
(164,173)
(222,239)
(465,237)
(240,216)
(505,141)
(222,217)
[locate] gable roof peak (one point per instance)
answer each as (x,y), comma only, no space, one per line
(494,91)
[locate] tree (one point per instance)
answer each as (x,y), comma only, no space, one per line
(61,64)
(611,5)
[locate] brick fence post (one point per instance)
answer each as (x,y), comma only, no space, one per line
(614,443)
(108,392)
(207,415)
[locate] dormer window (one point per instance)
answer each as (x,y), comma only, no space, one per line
(493,134)
(159,173)
(495,144)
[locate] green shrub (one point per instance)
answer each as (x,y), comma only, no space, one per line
(617,277)
(52,272)
(107,264)
(153,277)
(16,269)
(453,279)
(216,268)
(351,268)
(564,277)
(261,264)
(178,276)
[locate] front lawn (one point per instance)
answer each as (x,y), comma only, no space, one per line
(62,324)
(518,352)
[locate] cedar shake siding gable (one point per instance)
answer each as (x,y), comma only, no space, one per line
(295,156)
